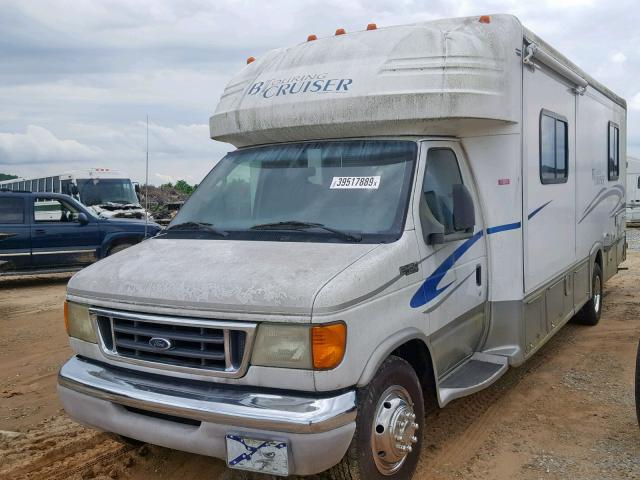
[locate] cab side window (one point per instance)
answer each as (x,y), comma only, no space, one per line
(441,174)
(50,210)
(11,211)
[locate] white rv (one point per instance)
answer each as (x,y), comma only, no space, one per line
(633,191)
(107,193)
(410,212)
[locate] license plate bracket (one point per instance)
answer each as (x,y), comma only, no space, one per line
(257,455)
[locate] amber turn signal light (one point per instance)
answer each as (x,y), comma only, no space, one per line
(311,38)
(372,26)
(341,31)
(250,60)
(484,19)
(328,345)
(66,317)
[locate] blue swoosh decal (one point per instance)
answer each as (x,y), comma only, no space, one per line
(429,289)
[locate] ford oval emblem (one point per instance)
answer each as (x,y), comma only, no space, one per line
(160,343)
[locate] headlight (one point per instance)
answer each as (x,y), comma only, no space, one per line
(282,346)
(299,346)
(77,322)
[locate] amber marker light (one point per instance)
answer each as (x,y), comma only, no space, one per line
(341,31)
(311,38)
(328,345)
(484,19)
(66,317)
(251,60)
(372,26)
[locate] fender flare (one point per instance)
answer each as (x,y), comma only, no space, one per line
(384,349)
(109,239)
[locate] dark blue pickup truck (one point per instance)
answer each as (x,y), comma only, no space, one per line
(49,232)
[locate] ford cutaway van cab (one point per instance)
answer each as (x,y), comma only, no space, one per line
(410,212)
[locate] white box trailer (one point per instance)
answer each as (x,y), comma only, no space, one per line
(411,210)
(633,191)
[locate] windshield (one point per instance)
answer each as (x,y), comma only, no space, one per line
(98,191)
(320,191)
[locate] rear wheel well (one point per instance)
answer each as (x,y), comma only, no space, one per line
(416,353)
(598,259)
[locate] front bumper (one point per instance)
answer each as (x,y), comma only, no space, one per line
(195,416)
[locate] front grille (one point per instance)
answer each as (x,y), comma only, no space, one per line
(211,345)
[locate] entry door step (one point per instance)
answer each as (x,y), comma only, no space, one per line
(477,373)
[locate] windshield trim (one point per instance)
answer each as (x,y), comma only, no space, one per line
(316,235)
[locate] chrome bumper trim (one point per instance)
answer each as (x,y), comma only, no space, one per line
(209,402)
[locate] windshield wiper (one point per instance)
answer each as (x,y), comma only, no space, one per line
(197,226)
(296,225)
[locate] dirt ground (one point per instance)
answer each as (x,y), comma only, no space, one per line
(566,414)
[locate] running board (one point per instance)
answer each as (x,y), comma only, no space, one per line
(477,373)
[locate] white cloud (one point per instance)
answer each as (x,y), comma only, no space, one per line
(38,145)
(618,57)
(93,74)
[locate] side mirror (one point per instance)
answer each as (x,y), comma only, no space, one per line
(74,189)
(82,218)
(432,229)
(464,215)
(136,187)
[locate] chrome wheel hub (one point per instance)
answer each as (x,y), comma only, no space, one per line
(394,430)
(597,293)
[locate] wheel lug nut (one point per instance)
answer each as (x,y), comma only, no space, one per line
(415,426)
(414,439)
(409,449)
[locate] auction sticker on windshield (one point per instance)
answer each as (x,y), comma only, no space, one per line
(265,456)
(356,182)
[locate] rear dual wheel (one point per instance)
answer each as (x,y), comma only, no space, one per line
(388,438)
(590,312)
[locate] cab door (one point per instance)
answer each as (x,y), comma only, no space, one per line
(454,263)
(15,240)
(59,239)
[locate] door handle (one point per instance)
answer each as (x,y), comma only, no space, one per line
(478,275)
(40,231)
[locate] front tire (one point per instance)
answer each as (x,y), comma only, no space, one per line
(590,312)
(387,440)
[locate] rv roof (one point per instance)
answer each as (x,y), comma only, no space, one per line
(419,79)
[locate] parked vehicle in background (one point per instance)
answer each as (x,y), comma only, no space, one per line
(107,193)
(633,192)
(49,232)
(410,212)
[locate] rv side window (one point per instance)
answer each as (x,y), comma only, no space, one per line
(441,174)
(554,148)
(613,156)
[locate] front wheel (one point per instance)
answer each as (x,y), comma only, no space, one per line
(387,440)
(590,313)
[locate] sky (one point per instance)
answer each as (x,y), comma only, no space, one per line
(78,78)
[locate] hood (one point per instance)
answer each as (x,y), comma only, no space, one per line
(116,210)
(218,275)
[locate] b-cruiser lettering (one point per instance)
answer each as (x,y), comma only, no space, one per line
(272,89)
